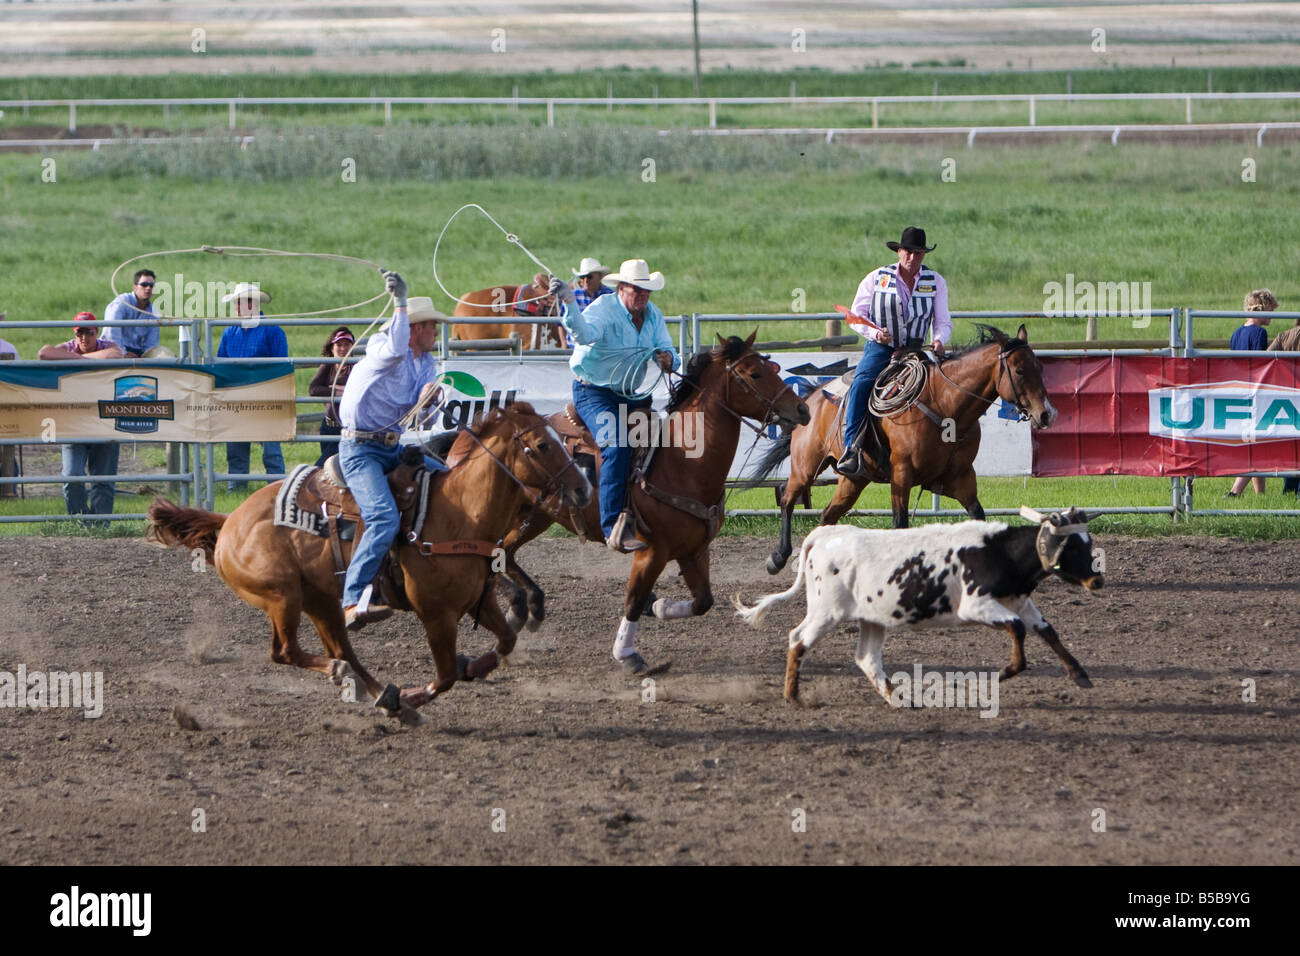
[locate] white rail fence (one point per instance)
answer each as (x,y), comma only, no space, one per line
(1031,101)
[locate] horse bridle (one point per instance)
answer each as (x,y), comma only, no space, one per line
(769,413)
(553,485)
(1021,411)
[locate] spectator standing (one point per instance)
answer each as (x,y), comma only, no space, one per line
(7,349)
(328,383)
(252,338)
(1287,340)
(135,341)
(86,458)
(1251,337)
(7,457)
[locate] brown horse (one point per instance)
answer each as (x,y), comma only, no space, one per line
(499,301)
(287,573)
(937,455)
(680,501)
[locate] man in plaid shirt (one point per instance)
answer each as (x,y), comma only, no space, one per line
(587,284)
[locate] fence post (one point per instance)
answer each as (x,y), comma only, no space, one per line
(550,112)
(72,117)
(833,327)
(713,114)
(1033,111)
(875,113)
(232,114)
(1188,115)
(388,112)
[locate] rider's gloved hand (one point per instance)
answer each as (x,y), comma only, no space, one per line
(396,287)
(665,360)
(561,290)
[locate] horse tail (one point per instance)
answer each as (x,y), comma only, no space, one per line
(778,453)
(171,525)
(753,616)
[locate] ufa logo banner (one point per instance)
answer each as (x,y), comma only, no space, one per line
(1167,417)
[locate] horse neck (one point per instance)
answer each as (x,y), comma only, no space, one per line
(716,434)
(485,496)
(974,373)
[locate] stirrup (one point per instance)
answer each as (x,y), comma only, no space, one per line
(850,464)
(623,537)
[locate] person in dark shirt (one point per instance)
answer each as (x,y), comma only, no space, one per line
(252,338)
(1251,337)
(328,383)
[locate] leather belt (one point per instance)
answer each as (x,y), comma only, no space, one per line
(381,438)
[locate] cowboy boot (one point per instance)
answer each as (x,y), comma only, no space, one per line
(623,538)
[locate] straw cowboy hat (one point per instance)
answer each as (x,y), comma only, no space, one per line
(246,290)
(419,308)
(589,265)
(913,240)
(635,272)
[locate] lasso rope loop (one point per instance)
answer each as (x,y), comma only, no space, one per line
(509,236)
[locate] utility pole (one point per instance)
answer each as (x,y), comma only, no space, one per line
(695,21)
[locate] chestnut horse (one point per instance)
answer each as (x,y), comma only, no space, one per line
(680,506)
(286,573)
(499,301)
(958,391)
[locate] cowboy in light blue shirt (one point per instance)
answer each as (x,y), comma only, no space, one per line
(133,340)
(616,335)
(397,374)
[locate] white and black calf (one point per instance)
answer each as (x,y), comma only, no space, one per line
(973,572)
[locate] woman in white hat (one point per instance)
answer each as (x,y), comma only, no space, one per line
(616,335)
(252,338)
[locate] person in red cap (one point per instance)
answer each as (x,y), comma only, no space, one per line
(327,385)
(86,458)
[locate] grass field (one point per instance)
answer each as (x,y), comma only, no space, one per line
(648,83)
(735,227)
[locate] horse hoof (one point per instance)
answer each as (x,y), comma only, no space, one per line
(634,665)
(517,622)
(462,667)
(1082,680)
(339,672)
(648,606)
(533,624)
(390,701)
(482,666)
(775,563)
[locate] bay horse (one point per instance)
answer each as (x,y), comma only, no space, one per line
(500,301)
(958,390)
(287,573)
(680,500)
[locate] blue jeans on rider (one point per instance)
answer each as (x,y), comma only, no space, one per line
(874,359)
(365,466)
(595,406)
(237,455)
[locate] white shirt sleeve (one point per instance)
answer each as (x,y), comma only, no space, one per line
(941,323)
(862,306)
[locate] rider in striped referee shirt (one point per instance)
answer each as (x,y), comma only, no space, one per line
(904,299)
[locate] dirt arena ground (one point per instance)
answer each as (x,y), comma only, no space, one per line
(713,771)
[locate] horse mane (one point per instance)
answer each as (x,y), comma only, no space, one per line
(988,335)
(689,384)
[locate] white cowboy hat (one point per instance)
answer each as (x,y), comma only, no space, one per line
(419,308)
(246,290)
(636,272)
(589,265)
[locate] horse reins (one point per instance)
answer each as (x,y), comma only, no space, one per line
(1024,415)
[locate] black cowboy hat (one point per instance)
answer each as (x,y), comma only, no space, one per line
(913,241)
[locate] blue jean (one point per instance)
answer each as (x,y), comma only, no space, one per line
(237,454)
(82,458)
(366,466)
(874,359)
(1291,485)
(591,402)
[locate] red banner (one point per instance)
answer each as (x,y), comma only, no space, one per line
(1170,417)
